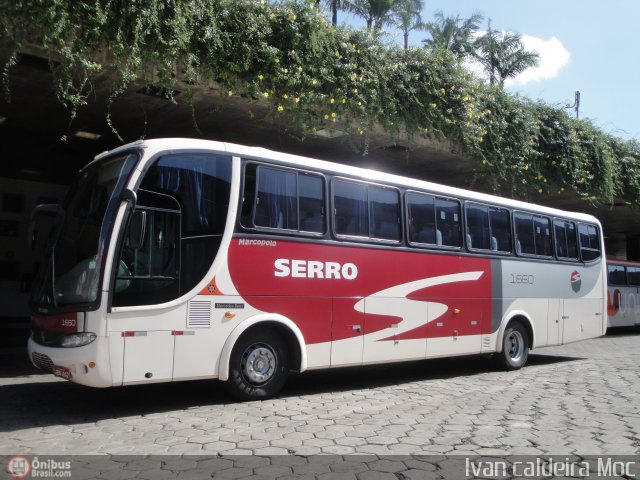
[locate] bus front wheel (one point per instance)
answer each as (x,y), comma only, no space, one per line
(515,347)
(258,367)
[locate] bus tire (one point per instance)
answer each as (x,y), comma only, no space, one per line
(258,367)
(515,347)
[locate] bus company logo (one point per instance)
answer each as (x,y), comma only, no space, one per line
(285,267)
(576,281)
(18,467)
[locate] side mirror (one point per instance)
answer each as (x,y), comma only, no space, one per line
(137,229)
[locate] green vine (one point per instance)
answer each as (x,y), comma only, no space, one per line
(316,76)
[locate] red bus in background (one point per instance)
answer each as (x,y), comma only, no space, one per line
(623,308)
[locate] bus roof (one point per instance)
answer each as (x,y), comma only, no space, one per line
(174,144)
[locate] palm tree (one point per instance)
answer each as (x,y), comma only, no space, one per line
(453,33)
(502,55)
(334,5)
(375,12)
(406,16)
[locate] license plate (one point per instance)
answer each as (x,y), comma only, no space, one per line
(62,372)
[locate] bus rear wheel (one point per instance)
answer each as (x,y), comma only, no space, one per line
(515,347)
(258,367)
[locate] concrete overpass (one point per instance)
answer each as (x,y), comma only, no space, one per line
(37,165)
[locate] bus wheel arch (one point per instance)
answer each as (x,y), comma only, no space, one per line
(288,331)
(515,341)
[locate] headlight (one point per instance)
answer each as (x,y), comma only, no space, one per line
(77,340)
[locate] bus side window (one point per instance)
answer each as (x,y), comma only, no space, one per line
(350,204)
(311,203)
(633,274)
(448,222)
(478,233)
(500,230)
(276,202)
(422,221)
(617,275)
(543,236)
(525,238)
(565,239)
(589,242)
(384,212)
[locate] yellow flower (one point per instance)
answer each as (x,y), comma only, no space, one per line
(355,90)
(297,99)
(260,77)
(265,94)
(332,100)
(333,114)
(280,108)
(326,116)
(230,93)
(285,96)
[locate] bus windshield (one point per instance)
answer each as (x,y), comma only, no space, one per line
(70,275)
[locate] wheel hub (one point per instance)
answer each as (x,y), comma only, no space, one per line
(259,364)
(516,345)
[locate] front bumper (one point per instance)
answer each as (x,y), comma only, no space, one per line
(88,365)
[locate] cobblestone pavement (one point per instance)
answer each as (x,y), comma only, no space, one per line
(581,399)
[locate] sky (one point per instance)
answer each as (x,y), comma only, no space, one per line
(590,46)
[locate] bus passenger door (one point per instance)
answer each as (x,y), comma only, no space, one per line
(347,332)
(148,275)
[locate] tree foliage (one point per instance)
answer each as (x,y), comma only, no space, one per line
(313,75)
(454,34)
(502,55)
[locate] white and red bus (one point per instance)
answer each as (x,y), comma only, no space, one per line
(624,293)
(178,259)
